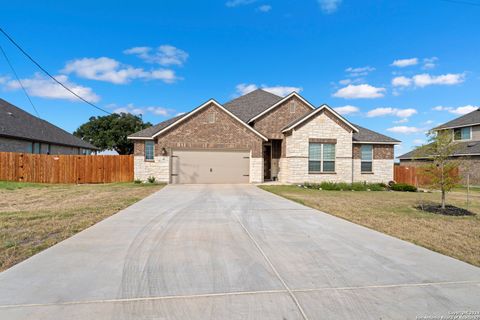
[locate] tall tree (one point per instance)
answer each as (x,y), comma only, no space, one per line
(442,169)
(111,132)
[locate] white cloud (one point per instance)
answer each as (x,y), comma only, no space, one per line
(401,81)
(165,55)
(110,70)
(404,120)
(236,3)
(425,79)
(418,142)
(348,109)
(329,6)
(4,80)
(243,88)
(265,8)
(345,81)
(458,110)
(131,108)
(359,71)
(402,63)
(430,63)
(282,91)
(361,91)
(40,86)
(405,129)
(401,113)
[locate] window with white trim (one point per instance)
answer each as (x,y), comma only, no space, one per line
(321,157)
(149,150)
(366,157)
(462,133)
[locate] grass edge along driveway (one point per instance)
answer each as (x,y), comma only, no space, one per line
(34,217)
(393,213)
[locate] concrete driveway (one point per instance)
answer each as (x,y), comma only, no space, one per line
(234,252)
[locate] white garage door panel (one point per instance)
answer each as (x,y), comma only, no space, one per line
(191,166)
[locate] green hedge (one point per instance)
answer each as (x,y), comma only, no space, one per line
(403,187)
(343,186)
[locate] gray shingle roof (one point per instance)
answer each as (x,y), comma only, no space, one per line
(367,135)
(15,122)
(248,106)
(463,149)
(465,120)
(150,131)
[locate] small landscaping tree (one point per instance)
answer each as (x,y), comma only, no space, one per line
(442,169)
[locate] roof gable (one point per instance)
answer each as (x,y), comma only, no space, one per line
(252,104)
(166,125)
(17,123)
(313,114)
(472,118)
(280,102)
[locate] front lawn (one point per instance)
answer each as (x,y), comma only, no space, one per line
(393,213)
(34,217)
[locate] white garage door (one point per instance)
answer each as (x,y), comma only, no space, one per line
(192,166)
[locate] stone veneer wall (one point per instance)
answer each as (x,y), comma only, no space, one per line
(159,168)
(256,170)
(294,168)
(382,165)
(382,171)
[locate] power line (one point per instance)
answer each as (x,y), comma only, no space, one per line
(18,79)
(48,74)
(470,3)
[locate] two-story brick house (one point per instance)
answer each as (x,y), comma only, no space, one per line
(259,137)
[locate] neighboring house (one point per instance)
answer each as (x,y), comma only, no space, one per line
(260,137)
(22,132)
(466,133)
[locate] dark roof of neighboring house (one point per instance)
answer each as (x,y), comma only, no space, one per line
(17,123)
(465,120)
(367,135)
(463,149)
(248,106)
(150,131)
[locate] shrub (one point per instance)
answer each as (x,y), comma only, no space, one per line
(137,181)
(343,186)
(151,179)
(403,187)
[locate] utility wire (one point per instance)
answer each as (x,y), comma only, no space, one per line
(48,74)
(470,3)
(18,79)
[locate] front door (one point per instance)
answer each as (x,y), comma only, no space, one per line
(267,162)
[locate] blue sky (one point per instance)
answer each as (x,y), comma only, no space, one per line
(397,67)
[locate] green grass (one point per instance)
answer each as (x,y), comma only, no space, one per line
(34,217)
(393,213)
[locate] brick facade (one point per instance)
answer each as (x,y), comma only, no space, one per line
(200,132)
(272,123)
(197,132)
(380,151)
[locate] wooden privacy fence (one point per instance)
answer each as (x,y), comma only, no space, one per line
(44,168)
(413,175)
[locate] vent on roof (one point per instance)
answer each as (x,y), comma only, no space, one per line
(472,144)
(10,114)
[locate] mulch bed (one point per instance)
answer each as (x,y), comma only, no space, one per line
(448,211)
